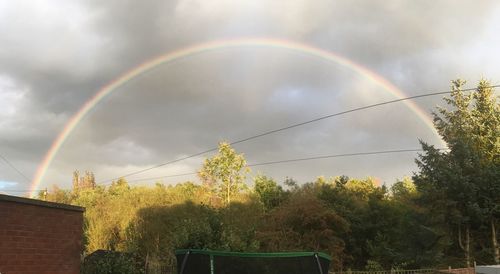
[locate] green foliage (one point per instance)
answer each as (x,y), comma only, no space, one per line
(105,262)
(462,184)
(239,224)
(404,189)
(362,225)
(353,220)
(269,192)
(372,265)
(157,231)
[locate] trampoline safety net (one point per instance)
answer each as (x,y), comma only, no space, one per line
(192,261)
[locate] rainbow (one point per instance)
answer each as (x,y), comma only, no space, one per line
(206,47)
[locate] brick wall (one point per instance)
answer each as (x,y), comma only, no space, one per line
(39,237)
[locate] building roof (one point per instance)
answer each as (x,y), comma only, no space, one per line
(21,200)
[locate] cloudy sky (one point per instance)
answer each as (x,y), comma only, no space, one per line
(55,55)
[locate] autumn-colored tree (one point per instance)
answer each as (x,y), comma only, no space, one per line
(304,222)
(83,182)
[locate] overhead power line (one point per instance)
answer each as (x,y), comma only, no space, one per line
(295,160)
(337,156)
(290,127)
(14,168)
(272,163)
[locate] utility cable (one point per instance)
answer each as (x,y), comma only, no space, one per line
(14,168)
(278,162)
(295,160)
(290,127)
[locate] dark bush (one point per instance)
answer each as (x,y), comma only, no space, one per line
(112,262)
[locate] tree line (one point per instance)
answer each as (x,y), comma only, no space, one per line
(446,214)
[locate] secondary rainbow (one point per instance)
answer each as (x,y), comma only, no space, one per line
(202,48)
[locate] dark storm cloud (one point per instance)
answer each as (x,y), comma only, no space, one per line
(57,55)
(378,32)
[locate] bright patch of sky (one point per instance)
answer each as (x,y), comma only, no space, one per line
(10,97)
(7,185)
(293,96)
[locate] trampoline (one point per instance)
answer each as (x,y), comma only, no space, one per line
(195,261)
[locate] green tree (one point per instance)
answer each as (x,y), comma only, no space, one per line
(158,230)
(403,189)
(238,225)
(269,192)
(486,142)
(224,174)
(463,181)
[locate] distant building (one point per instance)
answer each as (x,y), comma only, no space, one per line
(38,237)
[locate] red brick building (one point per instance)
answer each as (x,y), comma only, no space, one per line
(38,237)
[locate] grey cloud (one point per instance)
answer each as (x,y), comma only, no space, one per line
(60,55)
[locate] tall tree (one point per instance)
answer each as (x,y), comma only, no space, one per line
(224,174)
(486,142)
(462,179)
(76,180)
(87,181)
